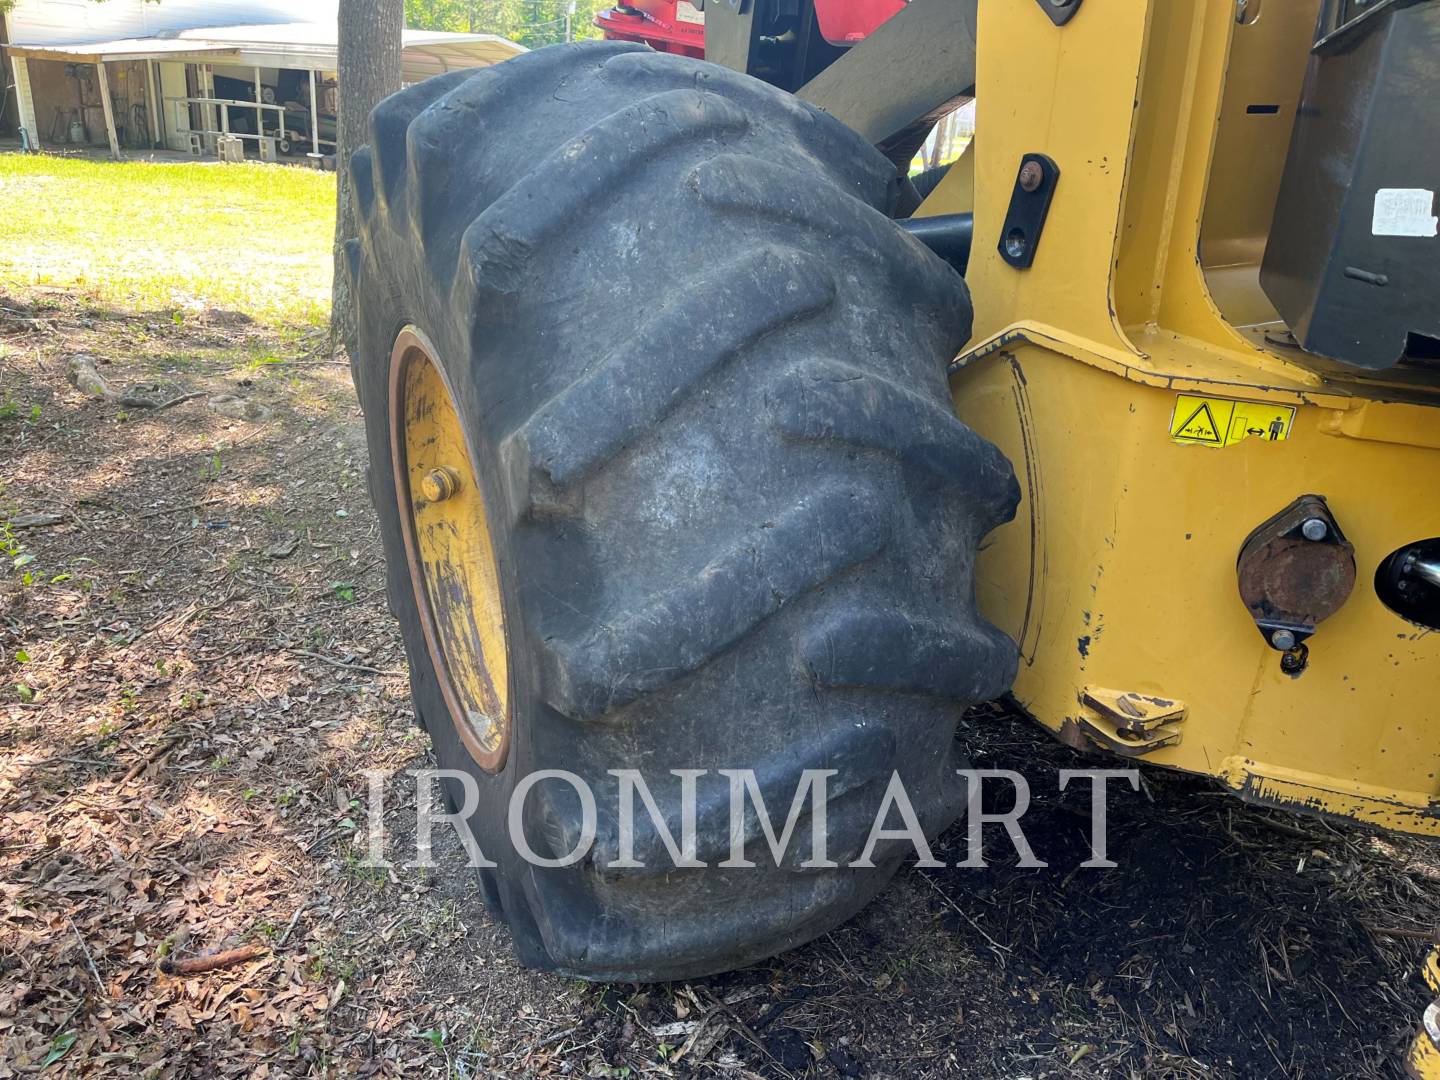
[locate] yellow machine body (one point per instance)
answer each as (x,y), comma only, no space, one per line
(1143,386)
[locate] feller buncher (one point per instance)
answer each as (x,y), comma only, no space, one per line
(692,453)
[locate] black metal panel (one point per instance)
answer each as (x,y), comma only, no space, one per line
(730,32)
(1059,11)
(775,40)
(812,53)
(1035,182)
(1363,167)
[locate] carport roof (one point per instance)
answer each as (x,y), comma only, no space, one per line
(301,45)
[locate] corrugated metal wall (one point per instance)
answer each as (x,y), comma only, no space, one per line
(70,22)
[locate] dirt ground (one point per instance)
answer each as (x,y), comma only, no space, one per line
(198,665)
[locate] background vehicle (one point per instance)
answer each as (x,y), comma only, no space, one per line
(719,513)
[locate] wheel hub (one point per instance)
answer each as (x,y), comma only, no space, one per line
(451,555)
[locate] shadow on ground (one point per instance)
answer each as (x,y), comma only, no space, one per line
(209,667)
(1229,941)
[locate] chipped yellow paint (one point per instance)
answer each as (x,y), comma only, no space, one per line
(1423,1061)
(1388,808)
(453,565)
(1119,570)
(1128,724)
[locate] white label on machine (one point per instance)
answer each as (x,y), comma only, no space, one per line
(1403,211)
(685,12)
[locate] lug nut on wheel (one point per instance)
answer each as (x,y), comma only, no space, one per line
(439,484)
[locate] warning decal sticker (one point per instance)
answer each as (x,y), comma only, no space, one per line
(1212,421)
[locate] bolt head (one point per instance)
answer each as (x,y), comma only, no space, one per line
(1315,529)
(439,484)
(1294,661)
(1283,639)
(1030,175)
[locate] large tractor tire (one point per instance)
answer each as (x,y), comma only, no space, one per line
(668,478)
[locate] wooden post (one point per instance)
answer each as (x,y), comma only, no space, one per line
(23,99)
(213,115)
(314,117)
(109,110)
(154,103)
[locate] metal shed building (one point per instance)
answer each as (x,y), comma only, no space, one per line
(184,74)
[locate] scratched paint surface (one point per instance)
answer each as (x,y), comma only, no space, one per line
(457,565)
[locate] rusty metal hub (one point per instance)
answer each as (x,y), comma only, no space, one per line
(1295,570)
(448,545)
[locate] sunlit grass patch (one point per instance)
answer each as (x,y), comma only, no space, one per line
(148,235)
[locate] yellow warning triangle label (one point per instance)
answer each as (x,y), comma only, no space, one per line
(1200,425)
(1217,421)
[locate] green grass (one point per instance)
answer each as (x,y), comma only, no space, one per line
(146,236)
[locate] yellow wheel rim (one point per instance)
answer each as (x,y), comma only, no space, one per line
(449,549)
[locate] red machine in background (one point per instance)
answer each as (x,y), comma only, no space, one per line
(678,26)
(673,26)
(844,22)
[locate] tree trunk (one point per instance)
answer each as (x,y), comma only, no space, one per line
(369,69)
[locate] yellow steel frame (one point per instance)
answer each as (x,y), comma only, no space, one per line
(1118,577)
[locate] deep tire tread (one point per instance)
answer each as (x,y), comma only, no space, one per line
(703,374)
(607,408)
(669,636)
(822,400)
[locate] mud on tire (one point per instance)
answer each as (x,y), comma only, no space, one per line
(703,376)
